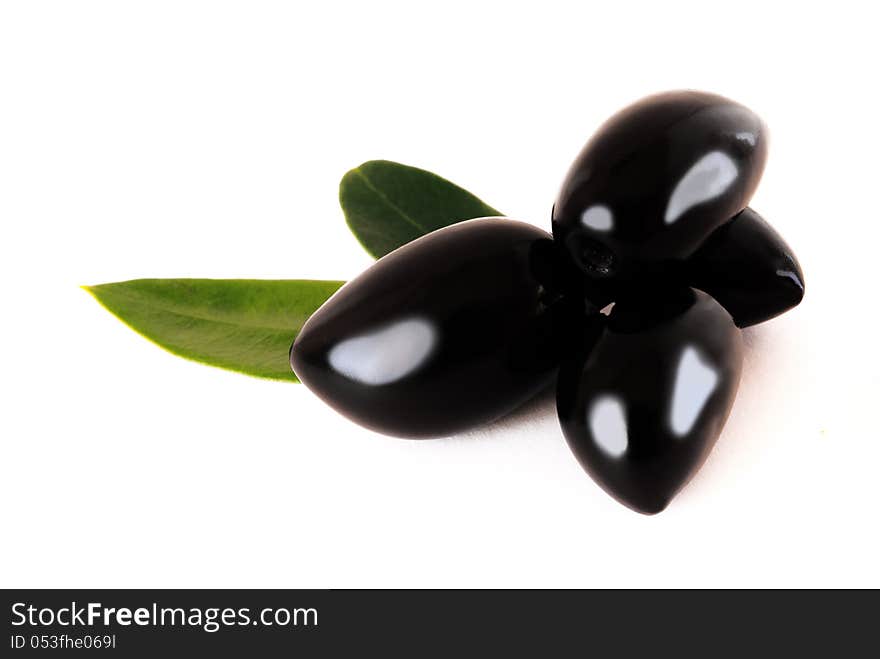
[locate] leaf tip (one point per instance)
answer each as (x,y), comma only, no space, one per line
(347,178)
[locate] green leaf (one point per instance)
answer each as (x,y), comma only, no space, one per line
(387,204)
(244,325)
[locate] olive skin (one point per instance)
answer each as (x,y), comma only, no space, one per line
(450,331)
(749,269)
(642,405)
(654,181)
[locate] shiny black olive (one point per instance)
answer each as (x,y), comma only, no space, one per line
(652,184)
(450,331)
(749,269)
(642,405)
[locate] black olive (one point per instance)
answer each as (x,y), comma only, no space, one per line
(749,269)
(642,405)
(652,184)
(452,330)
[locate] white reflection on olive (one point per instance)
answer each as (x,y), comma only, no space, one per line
(607,420)
(791,275)
(598,217)
(387,354)
(707,179)
(695,380)
(747,136)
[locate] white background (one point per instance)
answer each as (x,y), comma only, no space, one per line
(173,139)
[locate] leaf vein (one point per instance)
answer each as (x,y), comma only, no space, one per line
(139,300)
(390,203)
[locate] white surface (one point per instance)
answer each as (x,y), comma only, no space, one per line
(174,139)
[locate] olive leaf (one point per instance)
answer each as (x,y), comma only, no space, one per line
(387,204)
(244,325)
